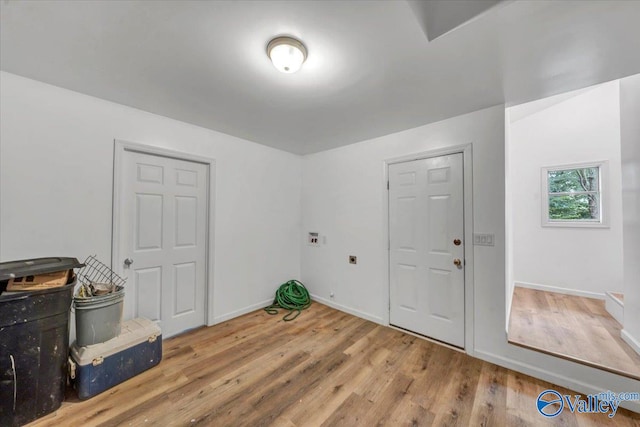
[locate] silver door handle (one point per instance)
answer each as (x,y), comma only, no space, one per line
(128,262)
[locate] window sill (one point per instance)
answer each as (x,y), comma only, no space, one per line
(575,225)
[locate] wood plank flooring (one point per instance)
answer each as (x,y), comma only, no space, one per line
(572,327)
(326,368)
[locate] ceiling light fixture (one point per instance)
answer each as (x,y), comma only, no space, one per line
(287,54)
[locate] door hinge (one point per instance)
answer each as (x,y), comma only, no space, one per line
(387,185)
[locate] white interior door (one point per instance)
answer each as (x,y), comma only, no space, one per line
(426,230)
(162,239)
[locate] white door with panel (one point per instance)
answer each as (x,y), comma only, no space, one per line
(426,231)
(163,239)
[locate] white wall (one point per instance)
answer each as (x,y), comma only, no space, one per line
(343,198)
(630,126)
(343,194)
(56,149)
(580,128)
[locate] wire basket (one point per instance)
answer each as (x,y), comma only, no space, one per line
(97,279)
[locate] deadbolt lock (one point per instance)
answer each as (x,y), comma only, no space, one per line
(457,242)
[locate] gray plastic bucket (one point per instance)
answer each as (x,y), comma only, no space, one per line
(99,318)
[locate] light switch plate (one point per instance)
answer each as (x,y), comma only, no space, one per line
(484,239)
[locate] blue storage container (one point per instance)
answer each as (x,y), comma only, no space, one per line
(96,368)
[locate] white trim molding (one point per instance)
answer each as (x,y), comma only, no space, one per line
(614,307)
(559,290)
(352,311)
(629,339)
(240,312)
(603,192)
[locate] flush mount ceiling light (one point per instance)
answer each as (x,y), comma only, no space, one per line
(287,54)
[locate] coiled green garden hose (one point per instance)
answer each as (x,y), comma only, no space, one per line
(292,296)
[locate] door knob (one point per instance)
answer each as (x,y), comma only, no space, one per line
(128,262)
(457,262)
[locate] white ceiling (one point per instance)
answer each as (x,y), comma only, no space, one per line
(370,71)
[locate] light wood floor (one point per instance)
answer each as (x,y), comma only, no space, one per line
(571,327)
(326,368)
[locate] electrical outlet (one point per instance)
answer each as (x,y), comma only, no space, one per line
(313,239)
(353,259)
(482,239)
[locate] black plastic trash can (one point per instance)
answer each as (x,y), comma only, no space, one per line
(34,344)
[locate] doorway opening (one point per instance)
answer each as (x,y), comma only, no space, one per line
(565,287)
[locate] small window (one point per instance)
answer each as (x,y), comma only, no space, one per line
(574,195)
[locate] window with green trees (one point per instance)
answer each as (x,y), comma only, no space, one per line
(575,195)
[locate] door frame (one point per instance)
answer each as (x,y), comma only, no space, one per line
(119,149)
(467,193)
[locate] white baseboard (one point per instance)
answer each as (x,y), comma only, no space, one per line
(252,307)
(559,290)
(614,307)
(557,379)
(349,310)
(509,305)
(633,343)
(240,312)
